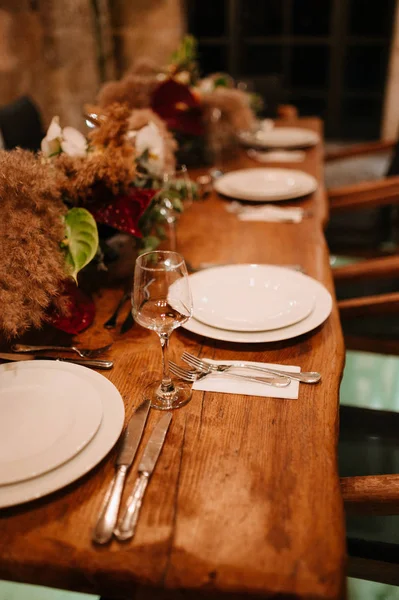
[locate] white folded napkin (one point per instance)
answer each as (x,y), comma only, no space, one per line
(277,155)
(221,382)
(268,213)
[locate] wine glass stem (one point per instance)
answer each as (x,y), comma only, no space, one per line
(172,233)
(166,385)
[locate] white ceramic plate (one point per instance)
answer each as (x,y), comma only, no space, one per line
(280,137)
(46,417)
(105,438)
(249,297)
(322,309)
(264,185)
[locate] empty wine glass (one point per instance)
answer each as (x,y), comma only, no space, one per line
(162,302)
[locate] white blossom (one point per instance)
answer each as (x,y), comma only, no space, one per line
(68,140)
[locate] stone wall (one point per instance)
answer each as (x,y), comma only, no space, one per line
(59,51)
(150,28)
(48,51)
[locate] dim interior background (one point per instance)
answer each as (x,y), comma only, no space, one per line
(338,59)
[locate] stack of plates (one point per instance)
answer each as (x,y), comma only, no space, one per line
(57,421)
(265,185)
(256,303)
(280,137)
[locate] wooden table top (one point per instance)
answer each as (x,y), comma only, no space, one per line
(245,498)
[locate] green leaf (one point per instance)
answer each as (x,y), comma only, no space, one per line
(81,241)
(151,242)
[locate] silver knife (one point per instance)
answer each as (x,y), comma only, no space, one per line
(127,523)
(129,443)
(86,362)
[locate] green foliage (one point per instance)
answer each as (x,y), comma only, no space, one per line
(186,53)
(256,103)
(185,58)
(81,242)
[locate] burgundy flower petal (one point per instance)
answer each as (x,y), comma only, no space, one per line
(124,212)
(176,104)
(81,311)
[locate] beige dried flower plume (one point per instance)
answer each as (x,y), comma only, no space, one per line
(31,229)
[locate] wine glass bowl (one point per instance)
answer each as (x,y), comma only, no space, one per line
(162,302)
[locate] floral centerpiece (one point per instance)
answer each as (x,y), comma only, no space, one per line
(53,202)
(205,114)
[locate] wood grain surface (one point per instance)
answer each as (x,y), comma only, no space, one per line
(245,499)
(371,494)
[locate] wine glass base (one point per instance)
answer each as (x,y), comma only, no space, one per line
(160,400)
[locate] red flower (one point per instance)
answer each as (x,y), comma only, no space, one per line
(176,105)
(124,212)
(81,311)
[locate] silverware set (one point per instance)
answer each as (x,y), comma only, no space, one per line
(274,377)
(206,367)
(87,356)
(196,375)
(108,523)
(128,321)
(82,352)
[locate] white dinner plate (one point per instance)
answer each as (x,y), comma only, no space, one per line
(265,184)
(46,417)
(102,442)
(249,297)
(321,311)
(280,137)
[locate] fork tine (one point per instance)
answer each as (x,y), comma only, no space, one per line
(197,366)
(195,362)
(182,373)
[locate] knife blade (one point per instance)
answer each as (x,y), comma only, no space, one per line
(86,362)
(128,447)
(127,523)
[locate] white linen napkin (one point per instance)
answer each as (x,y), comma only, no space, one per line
(221,382)
(267,214)
(277,155)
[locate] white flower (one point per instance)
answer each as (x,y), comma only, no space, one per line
(183,77)
(149,138)
(68,140)
(51,144)
(73,142)
(206,85)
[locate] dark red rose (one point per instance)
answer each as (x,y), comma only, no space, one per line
(124,212)
(81,311)
(176,104)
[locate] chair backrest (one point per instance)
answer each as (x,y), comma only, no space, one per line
(21,125)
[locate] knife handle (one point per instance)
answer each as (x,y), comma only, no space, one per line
(85,362)
(127,523)
(109,512)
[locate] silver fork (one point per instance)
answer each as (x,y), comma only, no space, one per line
(82,352)
(205,367)
(193,375)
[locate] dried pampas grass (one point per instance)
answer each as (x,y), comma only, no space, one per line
(108,169)
(31,229)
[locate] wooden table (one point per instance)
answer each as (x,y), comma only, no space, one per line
(245,498)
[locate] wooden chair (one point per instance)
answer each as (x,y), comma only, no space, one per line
(364,232)
(370,315)
(375,495)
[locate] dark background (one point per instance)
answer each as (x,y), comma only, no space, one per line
(330,56)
